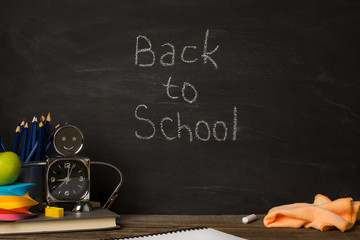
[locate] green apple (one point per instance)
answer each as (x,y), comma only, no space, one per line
(10,167)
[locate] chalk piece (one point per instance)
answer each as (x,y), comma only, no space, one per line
(249,219)
(54,212)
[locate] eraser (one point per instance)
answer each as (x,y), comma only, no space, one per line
(54,212)
(249,219)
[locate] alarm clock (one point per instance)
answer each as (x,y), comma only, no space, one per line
(67,179)
(68,176)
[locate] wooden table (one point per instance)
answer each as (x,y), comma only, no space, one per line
(133,225)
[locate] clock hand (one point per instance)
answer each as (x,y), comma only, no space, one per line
(71,170)
(68,173)
(68,177)
(62,184)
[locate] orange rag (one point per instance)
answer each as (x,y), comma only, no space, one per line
(323,214)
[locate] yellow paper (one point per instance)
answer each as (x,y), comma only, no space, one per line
(11,202)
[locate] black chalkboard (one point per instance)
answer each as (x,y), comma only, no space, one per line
(268,89)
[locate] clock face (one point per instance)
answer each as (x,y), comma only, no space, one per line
(68,180)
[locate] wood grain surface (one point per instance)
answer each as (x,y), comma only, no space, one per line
(135,225)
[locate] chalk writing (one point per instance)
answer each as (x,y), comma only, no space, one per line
(145,56)
(183,55)
(146,120)
(185,130)
(144,50)
(225,129)
(168,58)
(168,85)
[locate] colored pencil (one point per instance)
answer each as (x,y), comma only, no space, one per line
(23,142)
(47,128)
(16,140)
(34,132)
(39,151)
(49,139)
(28,145)
(31,154)
(2,143)
(42,118)
(22,124)
(48,146)
(1,149)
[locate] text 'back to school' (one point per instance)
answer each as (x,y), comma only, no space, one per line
(173,128)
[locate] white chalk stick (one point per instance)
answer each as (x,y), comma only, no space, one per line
(249,219)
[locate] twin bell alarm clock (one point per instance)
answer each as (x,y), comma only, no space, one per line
(67,178)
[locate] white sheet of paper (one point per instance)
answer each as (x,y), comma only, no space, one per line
(196,234)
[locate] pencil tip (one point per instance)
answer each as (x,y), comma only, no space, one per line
(48,118)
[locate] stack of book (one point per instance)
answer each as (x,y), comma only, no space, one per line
(98,219)
(15,217)
(15,202)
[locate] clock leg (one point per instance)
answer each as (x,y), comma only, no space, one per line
(83,206)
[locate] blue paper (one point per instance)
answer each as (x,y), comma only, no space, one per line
(16,189)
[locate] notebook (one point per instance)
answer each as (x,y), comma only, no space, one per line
(97,219)
(188,234)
